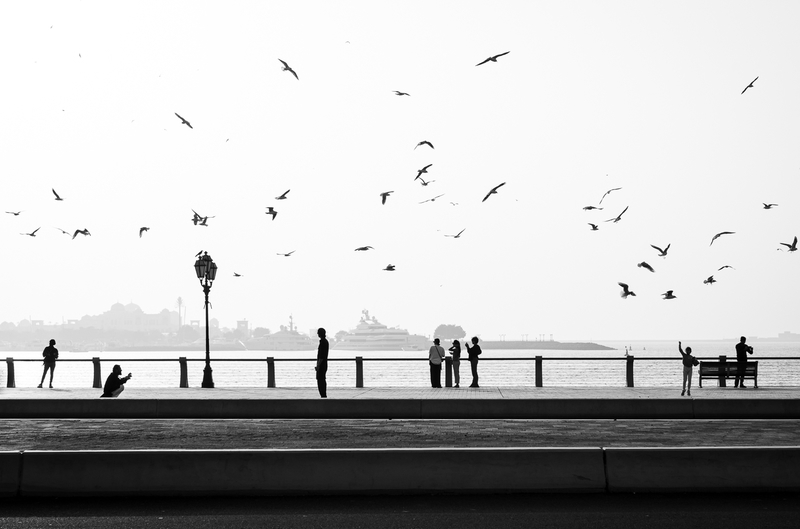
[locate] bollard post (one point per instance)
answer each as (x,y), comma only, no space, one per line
(184,372)
(96,382)
(448,371)
(629,371)
(723,371)
(10,383)
(538,371)
(270,372)
(359,372)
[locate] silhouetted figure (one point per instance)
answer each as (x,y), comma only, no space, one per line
(50,355)
(114,383)
(435,357)
(322,363)
(742,350)
(456,350)
(474,352)
(688,363)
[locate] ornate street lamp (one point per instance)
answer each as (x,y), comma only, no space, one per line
(206,272)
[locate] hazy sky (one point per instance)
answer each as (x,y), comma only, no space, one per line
(645,96)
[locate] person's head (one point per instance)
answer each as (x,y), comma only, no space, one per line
(689,350)
(321,332)
(436,341)
(52,342)
(474,340)
(456,342)
(117,369)
(742,339)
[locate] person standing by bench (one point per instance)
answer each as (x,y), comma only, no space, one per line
(688,364)
(742,350)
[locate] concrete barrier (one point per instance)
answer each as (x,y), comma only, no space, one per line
(728,469)
(557,409)
(286,472)
(291,409)
(10,466)
(747,408)
(79,408)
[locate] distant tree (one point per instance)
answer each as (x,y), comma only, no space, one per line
(449,332)
(258,332)
(341,334)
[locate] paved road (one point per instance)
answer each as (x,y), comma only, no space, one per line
(710,511)
(126,434)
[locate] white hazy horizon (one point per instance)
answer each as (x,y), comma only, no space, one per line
(593,96)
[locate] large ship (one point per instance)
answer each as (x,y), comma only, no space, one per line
(287,339)
(372,335)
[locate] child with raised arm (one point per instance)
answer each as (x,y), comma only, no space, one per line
(688,364)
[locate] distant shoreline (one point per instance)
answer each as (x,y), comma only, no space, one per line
(551,345)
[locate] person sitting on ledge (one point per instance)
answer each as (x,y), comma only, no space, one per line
(114,384)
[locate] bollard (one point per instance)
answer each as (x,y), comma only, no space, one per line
(270,372)
(723,371)
(10,363)
(629,371)
(359,372)
(448,372)
(184,372)
(96,383)
(538,371)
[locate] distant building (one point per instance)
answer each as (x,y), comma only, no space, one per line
(130,317)
(789,336)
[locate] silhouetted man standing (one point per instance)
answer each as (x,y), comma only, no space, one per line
(322,363)
(50,355)
(742,350)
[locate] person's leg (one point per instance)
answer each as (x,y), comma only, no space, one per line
(683,386)
(689,380)
(438,369)
(52,371)
(322,384)
(455,371)
(117,391)
(740,367)
(473,364)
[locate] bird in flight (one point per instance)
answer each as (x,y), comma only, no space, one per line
(364,248)
(199,253)
(709,280)
(65,232)
(271,211)
(616,219)
(385,195)
(432,199)
(33,233)
(493,58)
(389,268)
(725,266)
(56,194)
(590,208)
(457,235)
(237,275)
(593,226)
(422,171)
(424,142)
(493,191)
(792,247)
(750,85)
(183,121)
(607,192)
(84,231)
(283,196)
(142,230)
(769,206)
(646,266)
(287,68)
(424,183)
(399,93)
(669,295)
(15,213)
(661,253)
(199,219)
(625,291)
(714,238)
(287,254)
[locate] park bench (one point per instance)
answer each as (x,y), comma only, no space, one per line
(719,370)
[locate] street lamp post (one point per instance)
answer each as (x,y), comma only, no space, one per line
(206,272)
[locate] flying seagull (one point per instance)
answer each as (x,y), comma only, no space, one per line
(287,68)
(607,192)
(725,266)
(84,231)
(199,253)
(792,247)
(15,213)
(457,235)
(283,196)
(750,85)
(56,194)
(589,208)
(199,219)
(661,253)
(625,291)
(424,183)
(397,92)
(493,191)
(714,238)
(385,195)
(432,199)
(287,254)
(142,230)
(183,121)
(271,211)
(423,170)
(646,266)
(389,268)
(618,217)
(424,142)
(709,281)
(33,233)
(364,248)
(65,232)
(769,206)
(493,58)
(669,295)
(593,226)
(237,275)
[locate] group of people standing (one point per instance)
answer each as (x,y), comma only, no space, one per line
(436,357)
(689,361)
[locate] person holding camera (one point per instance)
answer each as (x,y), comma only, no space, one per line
(114,383)
(688,364)
(742,350)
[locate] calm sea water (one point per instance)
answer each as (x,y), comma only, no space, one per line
(657,364)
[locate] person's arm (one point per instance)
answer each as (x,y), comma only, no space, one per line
(440,350)
(680,349)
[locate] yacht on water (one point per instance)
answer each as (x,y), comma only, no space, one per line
(371,335)
(287,339)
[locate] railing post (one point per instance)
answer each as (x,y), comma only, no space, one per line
(96,382)
(184,372)
(10,363)
(538,371)
(270,372)
(448,371)
(359,372)
(629,371)
(723,371)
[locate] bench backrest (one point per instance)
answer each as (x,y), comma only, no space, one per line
(727,368)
